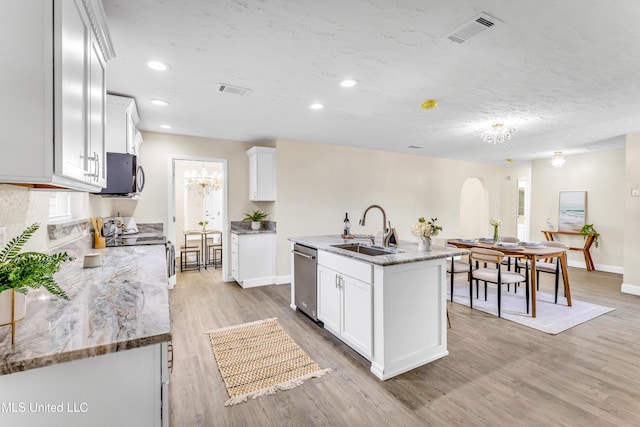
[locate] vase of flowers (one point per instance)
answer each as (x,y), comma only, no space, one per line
(495,222)
(203,224)
(424,230)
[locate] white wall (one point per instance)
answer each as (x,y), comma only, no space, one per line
(318,183)
(602,176)
(631,280)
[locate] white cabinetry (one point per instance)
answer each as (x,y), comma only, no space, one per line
(55,140)
(345,302)
(125,388)
(122,125)
(262,173)
(253,259)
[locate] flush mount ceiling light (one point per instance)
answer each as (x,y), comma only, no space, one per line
(429,104)
(157,65)
(159,102)
(498,134)
(166,126)
(348,83)
(316,106)
(558,159)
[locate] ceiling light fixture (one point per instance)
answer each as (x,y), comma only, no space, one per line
(558,159)
(157,65)
(202,181)
(166,126)
(316,106)
(348,83)
(429,104)
(498,134)
(159,102)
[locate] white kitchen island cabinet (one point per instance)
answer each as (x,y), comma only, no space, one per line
(345,300)
(390,308)
(253,258)
(53,103)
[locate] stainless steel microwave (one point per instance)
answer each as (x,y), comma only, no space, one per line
(124,175)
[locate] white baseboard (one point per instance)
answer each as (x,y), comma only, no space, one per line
(599,267)
(627,288)
(282,280)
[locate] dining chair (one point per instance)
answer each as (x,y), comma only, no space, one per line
(492,275)
(551,267)
(510,261)
(455,266)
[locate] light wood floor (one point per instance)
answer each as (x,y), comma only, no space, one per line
(498,373)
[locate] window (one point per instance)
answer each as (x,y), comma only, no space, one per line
(59,206)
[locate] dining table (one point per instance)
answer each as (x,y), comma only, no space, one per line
(531,253)
(204,235)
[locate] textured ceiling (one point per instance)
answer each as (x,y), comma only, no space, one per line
(564,73)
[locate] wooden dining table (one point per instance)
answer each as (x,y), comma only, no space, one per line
(530,253)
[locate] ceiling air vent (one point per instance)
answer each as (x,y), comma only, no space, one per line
(472,28)
(233,90)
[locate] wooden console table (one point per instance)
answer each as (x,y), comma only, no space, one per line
(548,234)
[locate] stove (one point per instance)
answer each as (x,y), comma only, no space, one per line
(133,240)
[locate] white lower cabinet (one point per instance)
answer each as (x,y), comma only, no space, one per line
(345,303)
(125,388)
(253,259)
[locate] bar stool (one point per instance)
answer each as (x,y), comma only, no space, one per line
(214,250)
(185,264)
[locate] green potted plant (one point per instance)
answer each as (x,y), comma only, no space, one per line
(587,230)
(20,272)
(256,218)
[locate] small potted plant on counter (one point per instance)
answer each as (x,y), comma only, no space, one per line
(587,230)
(256,218)
(20,272)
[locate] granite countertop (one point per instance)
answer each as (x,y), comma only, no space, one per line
(239,227)
(121,305)
(405,252)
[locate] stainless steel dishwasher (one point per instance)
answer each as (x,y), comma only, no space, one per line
(305,279)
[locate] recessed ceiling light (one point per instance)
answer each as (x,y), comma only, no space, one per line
(157,65)
(429,104)
(348,83)
(159,102)
(316,106)
(166,126)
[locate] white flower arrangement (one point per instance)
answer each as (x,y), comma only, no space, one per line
(426,229)
(496,222)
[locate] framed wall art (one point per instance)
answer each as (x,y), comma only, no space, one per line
(572,210)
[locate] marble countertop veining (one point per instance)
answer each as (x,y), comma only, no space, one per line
(240,227)
(121,305)
(405,252)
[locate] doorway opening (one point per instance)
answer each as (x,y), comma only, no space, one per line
(194,205)
(474,208)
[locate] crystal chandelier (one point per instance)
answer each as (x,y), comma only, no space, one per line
(498,134)
(558,159)
(202,181)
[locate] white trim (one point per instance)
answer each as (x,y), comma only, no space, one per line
(627,288)
(599,267)
(171,228)
(283,280)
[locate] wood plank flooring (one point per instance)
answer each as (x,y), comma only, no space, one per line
(498,373)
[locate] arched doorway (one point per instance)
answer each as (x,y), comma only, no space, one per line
(474,209)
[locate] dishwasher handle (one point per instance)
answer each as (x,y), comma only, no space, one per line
(303,255)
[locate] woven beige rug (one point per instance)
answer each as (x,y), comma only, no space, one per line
(260,358)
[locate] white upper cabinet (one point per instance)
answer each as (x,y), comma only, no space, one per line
(122,125)
(54,91)
(262,173)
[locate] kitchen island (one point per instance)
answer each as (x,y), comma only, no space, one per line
(99,358)
(390,307)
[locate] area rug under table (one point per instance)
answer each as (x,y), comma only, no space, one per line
(260,358)
(550,318)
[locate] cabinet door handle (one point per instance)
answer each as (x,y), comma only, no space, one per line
(337,280)
(97,160)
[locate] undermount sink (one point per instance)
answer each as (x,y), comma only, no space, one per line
(366,250)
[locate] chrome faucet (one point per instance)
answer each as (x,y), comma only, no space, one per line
(386,233)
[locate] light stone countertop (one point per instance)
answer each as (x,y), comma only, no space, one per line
(121,305)
(405,252)
(239,227)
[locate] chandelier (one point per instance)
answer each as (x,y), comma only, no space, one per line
(498,134)
(558,159)
(203,181)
